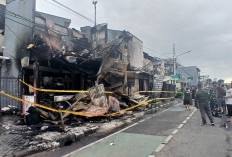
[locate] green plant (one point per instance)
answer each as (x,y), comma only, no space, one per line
(179,94)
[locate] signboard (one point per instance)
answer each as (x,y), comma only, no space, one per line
(26,105)
(190,78)
(177,76)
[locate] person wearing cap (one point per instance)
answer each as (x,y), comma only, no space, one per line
(221,93)
(202,102)
(228,99)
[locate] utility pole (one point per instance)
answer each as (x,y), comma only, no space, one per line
(95,7)
(174,63)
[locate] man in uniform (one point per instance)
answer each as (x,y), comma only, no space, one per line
(202,102)
(213,101)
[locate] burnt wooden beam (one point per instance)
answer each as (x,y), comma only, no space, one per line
(47,69)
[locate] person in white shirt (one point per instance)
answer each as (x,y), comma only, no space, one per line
(228,99)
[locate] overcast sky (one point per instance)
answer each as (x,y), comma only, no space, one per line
(202,26)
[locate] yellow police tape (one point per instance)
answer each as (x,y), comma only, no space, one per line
(155,92)
(82,113)
(82,91)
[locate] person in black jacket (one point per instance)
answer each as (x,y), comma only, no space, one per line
(202,102)
(193,92)
(187,99)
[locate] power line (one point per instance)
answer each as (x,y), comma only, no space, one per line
(31,27)
(58,6)
(182,68)
(13,33)
(88,19)
(18,22)
(180,62)
(158,52)
(79,14)
(19,16)
(152,50)
(31,21)
(69,9)
(16,37)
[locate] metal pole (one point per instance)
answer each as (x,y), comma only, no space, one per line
(95,7)
(95,15)
(174,63)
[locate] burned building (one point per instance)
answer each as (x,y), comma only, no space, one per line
(54,56)
(130,58)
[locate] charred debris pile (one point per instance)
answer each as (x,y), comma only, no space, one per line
(67,62)
(94,106)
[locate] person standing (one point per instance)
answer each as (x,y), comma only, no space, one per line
(202,102)
(228,99)
(187,99)
(193,93)
(221,92)
(213,100)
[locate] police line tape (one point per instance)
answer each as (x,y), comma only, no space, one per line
(83,113)
(82,91)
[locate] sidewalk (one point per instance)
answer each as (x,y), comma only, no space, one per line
(194,140)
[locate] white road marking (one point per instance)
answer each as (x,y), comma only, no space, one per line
(167,139)
(185,121)
(160,148)
(180,126)
(175,131)
(193,113)
(187,118)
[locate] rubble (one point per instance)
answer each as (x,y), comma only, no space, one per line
(60,58)
(98,97)
(114,104)
(9,110)
(106,127)
(44,136)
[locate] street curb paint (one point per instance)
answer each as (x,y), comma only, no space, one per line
(180,126)
(167,139)
(175,131)
(185,121)
(161,146)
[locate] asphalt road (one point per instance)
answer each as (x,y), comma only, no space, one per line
(138,140)
(174,132)
(194,140)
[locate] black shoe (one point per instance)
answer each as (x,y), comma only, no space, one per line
(212,124)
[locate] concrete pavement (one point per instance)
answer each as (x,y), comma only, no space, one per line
(194,140)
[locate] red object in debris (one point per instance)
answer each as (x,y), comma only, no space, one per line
(25,105)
